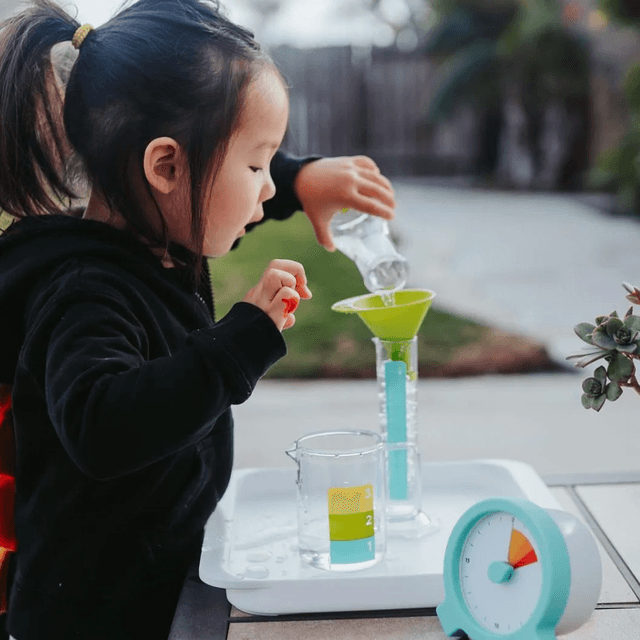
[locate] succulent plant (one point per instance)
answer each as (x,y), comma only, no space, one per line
(597,390)
(617,341)
(619,335)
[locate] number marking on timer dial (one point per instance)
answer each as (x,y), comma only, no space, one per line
(506,598)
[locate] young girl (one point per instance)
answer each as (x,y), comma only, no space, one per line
(122,379)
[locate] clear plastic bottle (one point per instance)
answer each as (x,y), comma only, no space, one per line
(365,239)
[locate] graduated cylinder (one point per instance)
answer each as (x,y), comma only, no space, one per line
(397,374)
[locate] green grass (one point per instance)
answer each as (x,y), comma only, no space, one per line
(324,343)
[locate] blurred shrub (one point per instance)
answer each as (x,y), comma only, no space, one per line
(618,169)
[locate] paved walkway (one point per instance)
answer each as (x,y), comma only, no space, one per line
(537,264)
(533,264)
(535,418)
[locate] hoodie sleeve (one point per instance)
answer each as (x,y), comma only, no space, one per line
(284,169)
(115,407)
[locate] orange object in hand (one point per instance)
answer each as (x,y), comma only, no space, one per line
(291,304)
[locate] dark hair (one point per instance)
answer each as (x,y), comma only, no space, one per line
(176,68)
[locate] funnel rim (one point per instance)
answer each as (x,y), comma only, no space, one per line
(348,305)
(398,305)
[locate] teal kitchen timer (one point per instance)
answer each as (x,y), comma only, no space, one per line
(516,571)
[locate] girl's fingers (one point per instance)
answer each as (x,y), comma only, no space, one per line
(276,279)
(386,182)
(297,271)
(279,291)
(285,305)
(374,206)
(373,186)
(302,289)
(324,238)
(366,161)
(367,165)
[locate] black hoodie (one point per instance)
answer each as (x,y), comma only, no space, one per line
(123,384)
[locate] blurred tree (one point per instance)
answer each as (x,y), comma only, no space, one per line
(528,76)
(619,168)
(623,11)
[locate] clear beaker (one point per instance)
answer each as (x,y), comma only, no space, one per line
(365,239)
(341,491)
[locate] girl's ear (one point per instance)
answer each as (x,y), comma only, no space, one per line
(163,164)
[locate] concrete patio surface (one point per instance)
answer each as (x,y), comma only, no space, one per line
(534,263)
(534,418)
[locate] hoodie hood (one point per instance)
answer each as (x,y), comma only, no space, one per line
(33,248)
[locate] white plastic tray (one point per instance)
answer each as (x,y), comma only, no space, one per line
(250,543)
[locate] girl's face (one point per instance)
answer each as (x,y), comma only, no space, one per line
(244,181)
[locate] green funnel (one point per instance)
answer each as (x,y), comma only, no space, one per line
(400,321)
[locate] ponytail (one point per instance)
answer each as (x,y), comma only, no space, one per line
(176,68)
(33,144)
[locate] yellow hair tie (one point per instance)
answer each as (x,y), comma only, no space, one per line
(81,35)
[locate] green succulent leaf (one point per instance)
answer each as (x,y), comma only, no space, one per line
(620,368)
(600,374)
(613,326)
(584,331)
(600,320)
(627,348)
(587,401)
(592,387)
(602,339)
(614,391)
(632,322)
(598,402)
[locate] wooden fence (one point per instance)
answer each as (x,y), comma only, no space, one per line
(345,101)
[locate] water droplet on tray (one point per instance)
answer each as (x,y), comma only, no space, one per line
(258,556)
(257,571)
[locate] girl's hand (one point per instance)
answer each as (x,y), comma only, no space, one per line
(328,185)
(279,291)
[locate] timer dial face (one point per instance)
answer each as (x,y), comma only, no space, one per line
(500,573)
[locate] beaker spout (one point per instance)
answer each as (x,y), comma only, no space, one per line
(293,454)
